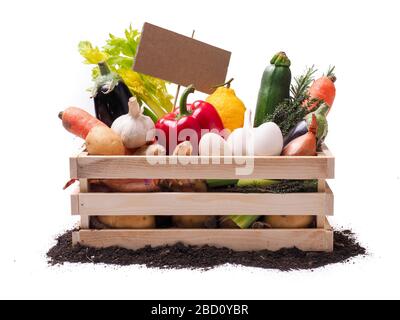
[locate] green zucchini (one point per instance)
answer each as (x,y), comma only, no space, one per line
(275,87)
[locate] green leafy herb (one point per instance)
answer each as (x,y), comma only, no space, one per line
(301,84)
(291,111)
(287,114)
(119,53)
(331,73)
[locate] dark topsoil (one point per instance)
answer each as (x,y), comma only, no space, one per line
(180,256)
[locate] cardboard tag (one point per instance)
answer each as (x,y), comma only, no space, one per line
(179,59)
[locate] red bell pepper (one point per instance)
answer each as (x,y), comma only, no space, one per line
(197,116)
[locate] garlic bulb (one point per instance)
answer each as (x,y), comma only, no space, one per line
(135,129)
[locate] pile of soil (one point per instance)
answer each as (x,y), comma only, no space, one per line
(180,256)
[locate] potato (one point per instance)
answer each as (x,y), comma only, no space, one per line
(101,140)
(289,222)
(187,222)
(128,222)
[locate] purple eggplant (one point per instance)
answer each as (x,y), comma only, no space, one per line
(300,129)
(111,96)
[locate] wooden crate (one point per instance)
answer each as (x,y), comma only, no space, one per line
(319,204)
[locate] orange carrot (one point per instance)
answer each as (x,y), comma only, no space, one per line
(323,89)
(78,121)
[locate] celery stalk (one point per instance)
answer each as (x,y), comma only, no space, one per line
(244,222)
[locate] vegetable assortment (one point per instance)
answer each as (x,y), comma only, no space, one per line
(198,116)
(118,53)
(135,116)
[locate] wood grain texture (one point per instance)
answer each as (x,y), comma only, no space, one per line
(320,220)
(128,167)
(239,240)
(75,202)
(330,160)
(85,222)
(73,167)
(329,236)
(75,238)
(330,201)
(142,167)
(204,204)
(84,187)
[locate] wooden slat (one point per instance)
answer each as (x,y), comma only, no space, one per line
(73,167)
(330,201)
(73,162)
(328,225)
(204,204)
(320,220)
(240,240)
(76,237)
(85,222)
(84,188)
(75,202)
(329,236)
(140,167)
(330,161)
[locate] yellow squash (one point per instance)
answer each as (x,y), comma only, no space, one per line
(230,108)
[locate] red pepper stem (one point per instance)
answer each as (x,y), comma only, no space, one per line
(183,102)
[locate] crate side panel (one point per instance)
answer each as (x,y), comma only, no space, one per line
(201,204)
(125,167)
(239,240)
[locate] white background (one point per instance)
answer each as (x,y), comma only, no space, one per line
(41,74)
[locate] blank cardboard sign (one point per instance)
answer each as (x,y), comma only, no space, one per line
(179,59)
